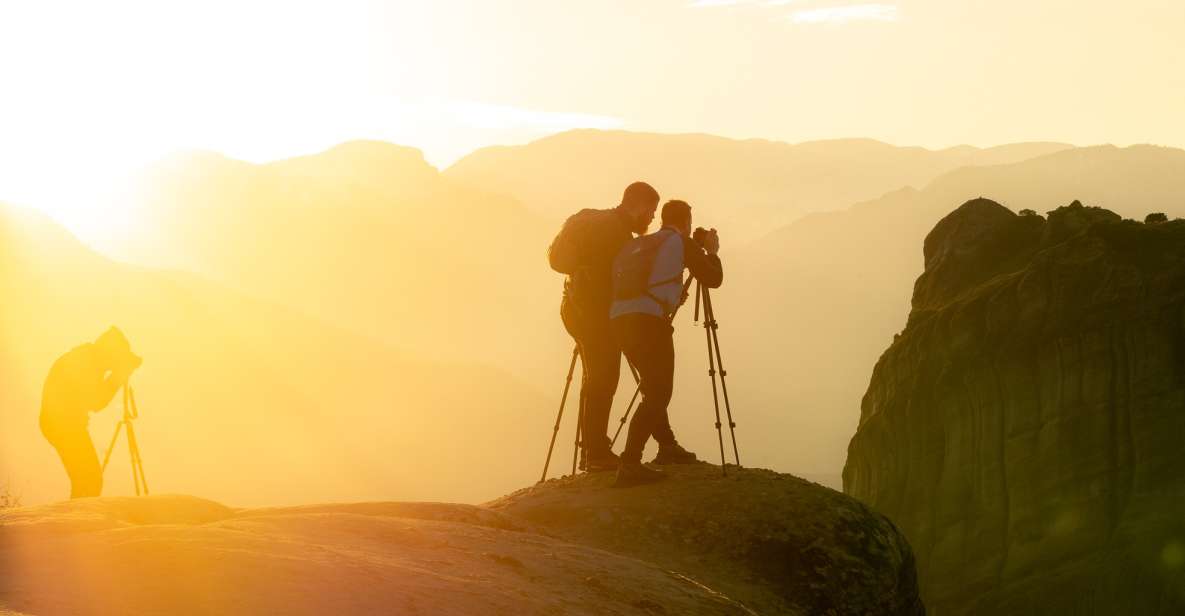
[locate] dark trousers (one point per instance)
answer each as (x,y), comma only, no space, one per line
(80,459)
(600,361)
(647,343)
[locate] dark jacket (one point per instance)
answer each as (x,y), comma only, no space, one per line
(584,249)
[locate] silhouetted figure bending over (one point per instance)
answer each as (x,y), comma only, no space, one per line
(584,250)
(84,381)
(648,287)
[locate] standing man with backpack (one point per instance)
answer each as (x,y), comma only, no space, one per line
(584,250)
(647,288)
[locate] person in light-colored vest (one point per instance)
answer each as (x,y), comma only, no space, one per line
(640,320)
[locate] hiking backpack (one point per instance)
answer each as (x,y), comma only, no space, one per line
(634,264)
(566,253)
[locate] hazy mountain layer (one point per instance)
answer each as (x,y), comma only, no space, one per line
(1025,428)
(745,188)
(244,400)
(367,236)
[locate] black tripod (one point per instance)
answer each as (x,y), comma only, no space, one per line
(563,399)
(703,296)
(580,418)
(130,413)
(577,451)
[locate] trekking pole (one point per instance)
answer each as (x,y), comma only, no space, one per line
(702,290)
(710,316)
(637,379)
(558,417)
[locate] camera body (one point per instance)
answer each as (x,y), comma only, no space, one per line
(699,235)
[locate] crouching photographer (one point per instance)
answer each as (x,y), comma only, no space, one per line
(647,289)
(80,382)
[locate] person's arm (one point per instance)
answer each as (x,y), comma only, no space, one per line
(704,264)
(107,388)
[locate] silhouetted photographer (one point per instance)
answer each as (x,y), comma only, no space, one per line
(584,249)
(647,290)
(80,382)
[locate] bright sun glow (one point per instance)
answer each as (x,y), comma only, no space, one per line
(114,95)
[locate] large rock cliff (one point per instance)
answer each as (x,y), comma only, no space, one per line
(1027,428)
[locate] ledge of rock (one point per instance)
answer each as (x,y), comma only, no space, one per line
(774,542)
(756,542)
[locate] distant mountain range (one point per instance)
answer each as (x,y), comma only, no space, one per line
(450,267)
(365,235)
(745,188)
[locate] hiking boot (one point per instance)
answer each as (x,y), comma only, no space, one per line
(634,474)
(593,462)
(674,453)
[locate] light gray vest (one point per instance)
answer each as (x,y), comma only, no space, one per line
(668,266)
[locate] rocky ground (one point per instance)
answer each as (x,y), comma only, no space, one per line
(755,542)
(775,542)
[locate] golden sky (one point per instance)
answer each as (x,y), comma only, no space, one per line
(92,89)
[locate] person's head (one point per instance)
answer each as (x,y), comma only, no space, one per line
(677,214)
(638,202)
(115,349)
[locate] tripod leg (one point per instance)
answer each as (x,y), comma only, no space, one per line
(630,407)
(579,432)
(710,313)
(137,464)
(701,290)
(560,415)
(111,447)
(626,416)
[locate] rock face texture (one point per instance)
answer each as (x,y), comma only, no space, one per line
(774,542)
(755,542)
(1026,430)
(182,555)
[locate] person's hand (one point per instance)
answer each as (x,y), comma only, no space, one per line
(712,242)
(125,368)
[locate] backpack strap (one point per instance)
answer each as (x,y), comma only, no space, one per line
(676,278)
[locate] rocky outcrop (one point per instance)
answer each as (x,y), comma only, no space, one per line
(774,542)
(182,555)
(1026,430)
(756,542)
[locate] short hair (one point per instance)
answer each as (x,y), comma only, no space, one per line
(676,212)
(639,192)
